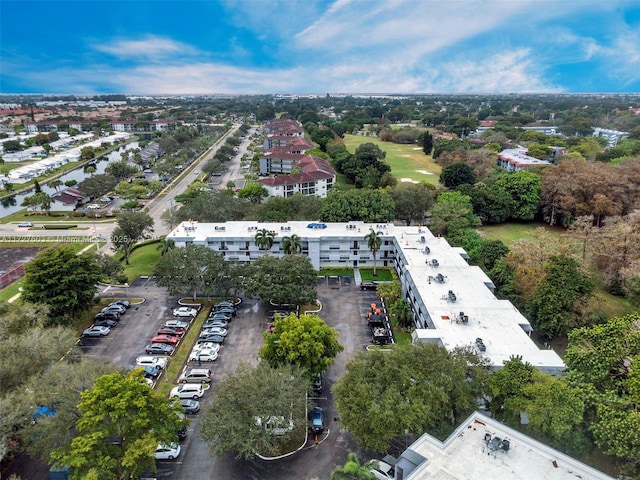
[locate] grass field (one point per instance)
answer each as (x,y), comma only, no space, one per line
(407,162)
(142,260)
(609,305)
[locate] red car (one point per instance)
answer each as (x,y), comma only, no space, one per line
(170,339)
(171,331)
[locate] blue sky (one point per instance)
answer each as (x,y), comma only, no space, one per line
(308,46)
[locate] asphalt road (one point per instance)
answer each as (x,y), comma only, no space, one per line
(344,307)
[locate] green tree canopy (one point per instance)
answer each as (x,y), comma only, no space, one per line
(363,204)
(254,192)
(121,423)
(229,423)
(452,211)
(457,174)
(353,470)
(194,269)
(64,281)
(524,189)
(305,341)
(132,227)
(420,388)
(412,201)
(287,280)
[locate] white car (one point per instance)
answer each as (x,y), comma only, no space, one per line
(207,346)
(382,470)
(176,323)
(151,361)
(203,356)
(185,312)
(214,331)
(167,452)
(95,331)
(188,390)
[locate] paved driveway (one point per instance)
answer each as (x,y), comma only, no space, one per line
(344,308)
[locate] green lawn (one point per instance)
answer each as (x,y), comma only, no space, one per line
(383,274)
(406,161)
(142,260)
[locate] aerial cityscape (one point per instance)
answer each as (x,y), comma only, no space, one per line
(319,240)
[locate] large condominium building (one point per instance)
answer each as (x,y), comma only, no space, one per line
(453,303)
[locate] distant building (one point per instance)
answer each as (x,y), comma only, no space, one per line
(612,136)
(288,168)
(516,159)
(68,199)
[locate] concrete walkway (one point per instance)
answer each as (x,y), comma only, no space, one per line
(356,276)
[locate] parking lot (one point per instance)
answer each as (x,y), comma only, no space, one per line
(344,307)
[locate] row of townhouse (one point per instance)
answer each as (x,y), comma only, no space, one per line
(286,165)
(116,125)
(453,303)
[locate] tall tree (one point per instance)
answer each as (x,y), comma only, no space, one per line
(132,227)
(291,244)
(230,419)
(63,280)
(457,174)
(367,205)
(287,280)
(427,143)
(412,201)
(264,239)
(194,269)
(121,423)
(524,189)
(306,342)
(353,470)
(420,388)
(374,241)
(452,211)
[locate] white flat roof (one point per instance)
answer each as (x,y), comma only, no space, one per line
(466,455)
(497,322)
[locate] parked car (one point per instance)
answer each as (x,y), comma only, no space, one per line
(203,356)
(185,312)
(124,303)
(170,339)
(108,315)
(152,361)
(216,323)
(25,224)
(317,420)
(114,308)
(190,406)
(210,338)
(187,390)
(167,452)
(368,286)
(193,375)
(316,382)
(207,346)
(382,470)
(224,303)
(177,331)
(158,349)
(214,331)
(225,311)
(105,323)
(96,331)
(176,323)
(151,372)
(219,316)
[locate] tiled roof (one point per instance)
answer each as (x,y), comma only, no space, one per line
(313,168)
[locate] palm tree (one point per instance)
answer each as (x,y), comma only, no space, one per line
(401,309)
(291,244)
(168,244)
(57,183)
(353,470)
(264,239)
(374,241)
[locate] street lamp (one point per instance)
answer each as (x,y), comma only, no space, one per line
(126,289)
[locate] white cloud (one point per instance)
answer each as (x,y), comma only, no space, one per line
(149,47)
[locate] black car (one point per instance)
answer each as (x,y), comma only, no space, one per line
(151,372)
(224,303)
(368,286)
(108,316)
(159,349)
(105,322)
(211,338)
